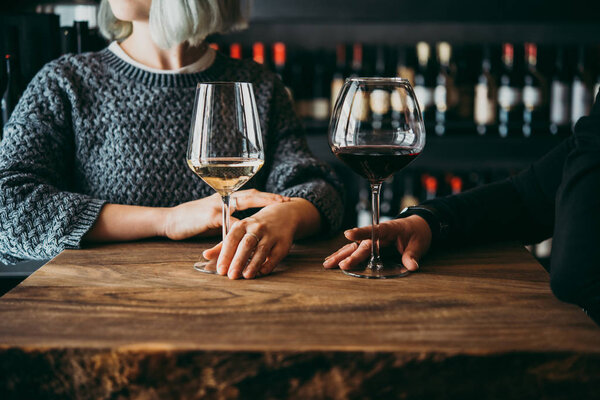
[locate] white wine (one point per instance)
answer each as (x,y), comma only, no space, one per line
(226,174)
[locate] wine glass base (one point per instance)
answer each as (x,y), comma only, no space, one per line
(388,272)
(206,266)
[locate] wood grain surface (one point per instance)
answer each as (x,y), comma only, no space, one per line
(143,301)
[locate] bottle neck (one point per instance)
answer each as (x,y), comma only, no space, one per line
(357,54)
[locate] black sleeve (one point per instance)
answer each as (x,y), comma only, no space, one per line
(575,260)
(518,208)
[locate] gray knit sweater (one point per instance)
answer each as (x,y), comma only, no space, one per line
(92,129)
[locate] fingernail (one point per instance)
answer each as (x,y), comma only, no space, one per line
(416,263)
(326,263)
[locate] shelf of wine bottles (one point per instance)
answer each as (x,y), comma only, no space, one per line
(495,90)
(28,41)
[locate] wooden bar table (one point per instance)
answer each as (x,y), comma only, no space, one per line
(136,321)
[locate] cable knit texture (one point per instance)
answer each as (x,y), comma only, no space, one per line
(92,129)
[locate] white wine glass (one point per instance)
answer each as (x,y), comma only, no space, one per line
(377,129)
(225,146)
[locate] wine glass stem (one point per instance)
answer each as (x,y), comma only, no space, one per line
(225,215)
(375,262)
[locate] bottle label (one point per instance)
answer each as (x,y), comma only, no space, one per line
(508,97)
(407,73)
(397,101)
(485,106)
(532,97)
(320,108)
(303,108)
(581,103)
(360,106)
(440,97)
(559,103)
(424,97)
(380,101)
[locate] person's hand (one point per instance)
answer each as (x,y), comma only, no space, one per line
(411,236)
(255,245)
(204,216)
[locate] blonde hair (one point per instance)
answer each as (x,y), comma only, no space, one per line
(176,21)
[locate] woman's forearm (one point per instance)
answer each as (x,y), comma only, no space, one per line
(308,218)
(118,222)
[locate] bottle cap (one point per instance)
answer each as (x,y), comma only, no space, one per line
(235,51)
(279,53)
(258,52)
(456,184)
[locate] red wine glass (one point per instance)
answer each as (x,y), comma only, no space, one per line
(377,129)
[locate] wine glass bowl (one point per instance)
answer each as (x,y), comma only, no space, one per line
(377,129)
(225,143)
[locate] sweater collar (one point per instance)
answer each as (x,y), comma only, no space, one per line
(123,68)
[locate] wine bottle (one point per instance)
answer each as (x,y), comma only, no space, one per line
(425,82)
(258,52)
(559,96)
(360,105)
(339,74)
(466,68)
(533,92)
(357,60)
(456,184)
(509,94)
(12,88)
(281,67)
(380,99)
(485,104)
(279,61)
(405,64)
(319,100)
(302,72)
(408,192)
(235,51)
(444,95)
(82,36)
(68,40)
(580,92)
(430,186)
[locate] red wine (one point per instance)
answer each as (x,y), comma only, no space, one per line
(376,163)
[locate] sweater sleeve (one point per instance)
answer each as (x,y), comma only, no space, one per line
(40,215)
(295,172)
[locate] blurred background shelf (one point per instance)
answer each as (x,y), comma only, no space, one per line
(462,153)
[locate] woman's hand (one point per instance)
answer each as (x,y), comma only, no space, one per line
(204,216)
(255,245)
(411,236)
